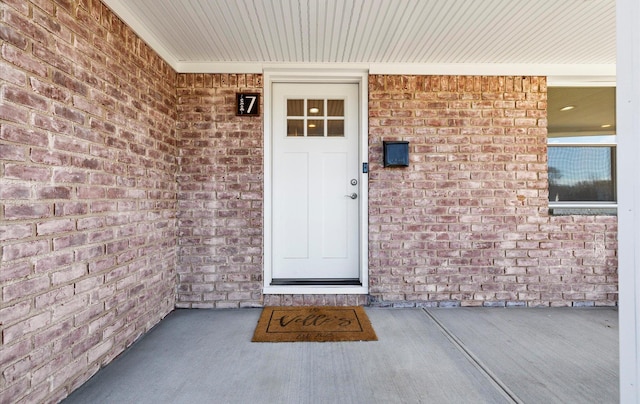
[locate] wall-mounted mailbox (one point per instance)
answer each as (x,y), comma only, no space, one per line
(395,153)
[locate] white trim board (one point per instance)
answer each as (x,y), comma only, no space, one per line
(628,128)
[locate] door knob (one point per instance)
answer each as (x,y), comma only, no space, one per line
(352,196)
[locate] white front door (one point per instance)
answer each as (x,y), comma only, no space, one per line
(315,184)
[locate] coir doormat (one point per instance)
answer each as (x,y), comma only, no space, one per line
(314,324)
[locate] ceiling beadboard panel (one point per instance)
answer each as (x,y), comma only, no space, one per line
(376,31)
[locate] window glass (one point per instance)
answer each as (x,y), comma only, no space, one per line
(581,173)
(335,127)
(315,127)
(335,107)
(295,107)
(315,107)
(295,127)
(581,149)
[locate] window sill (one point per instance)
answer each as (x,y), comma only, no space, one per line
(583,208)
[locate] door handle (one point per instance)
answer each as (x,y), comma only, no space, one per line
(352,196)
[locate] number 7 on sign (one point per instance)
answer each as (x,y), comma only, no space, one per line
(253,101)
(247,104)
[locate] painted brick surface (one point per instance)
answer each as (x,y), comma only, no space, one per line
(220,193)
(467,223)
(87,194)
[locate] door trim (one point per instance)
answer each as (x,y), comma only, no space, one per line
(339,76)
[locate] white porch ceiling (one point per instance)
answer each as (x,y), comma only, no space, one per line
(551,37)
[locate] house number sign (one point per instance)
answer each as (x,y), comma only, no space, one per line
(248,104)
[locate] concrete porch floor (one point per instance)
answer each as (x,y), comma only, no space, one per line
(462,355)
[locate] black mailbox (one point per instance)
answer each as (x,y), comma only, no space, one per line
(395,153)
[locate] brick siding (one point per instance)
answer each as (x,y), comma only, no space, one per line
(87,194)
(220,182)
(220,199)
(467,222)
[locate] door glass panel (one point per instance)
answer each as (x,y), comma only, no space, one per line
(335,127)
(315,127)
(335,107)
(322,110)
(295,107)
(315,107)
(295,127)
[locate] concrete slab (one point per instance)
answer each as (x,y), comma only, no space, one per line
(550,355)
(458,355)
(205,356)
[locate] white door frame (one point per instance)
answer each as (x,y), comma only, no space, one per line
(359,77)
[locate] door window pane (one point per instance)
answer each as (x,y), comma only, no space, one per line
(315,127)
(295,127)
(295,107)
(335,127)
(313,115)
(335,107)
(315,107)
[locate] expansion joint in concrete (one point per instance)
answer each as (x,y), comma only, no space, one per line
(475,360)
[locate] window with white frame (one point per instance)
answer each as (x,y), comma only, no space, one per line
(582,149)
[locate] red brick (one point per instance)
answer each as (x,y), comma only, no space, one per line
(72,240)
(23,60)
(16,231)
(27,173)
(24,97)
(14,114)
(30,211)
(85,105)
(15,192)
(23,136)
(13,153)
(25,288)
(26,249)
(50,91)
(13,36)
(52,124)
(29,325)
(16,270)
(46,54)
(70,114)
(12,75)
(68,274)
(55,226)
(54,193)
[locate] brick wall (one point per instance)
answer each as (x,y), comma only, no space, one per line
(220,199)
(87,194)
(467,222)
(220,183)
(117,176)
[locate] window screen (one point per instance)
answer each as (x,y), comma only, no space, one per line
(581,173)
